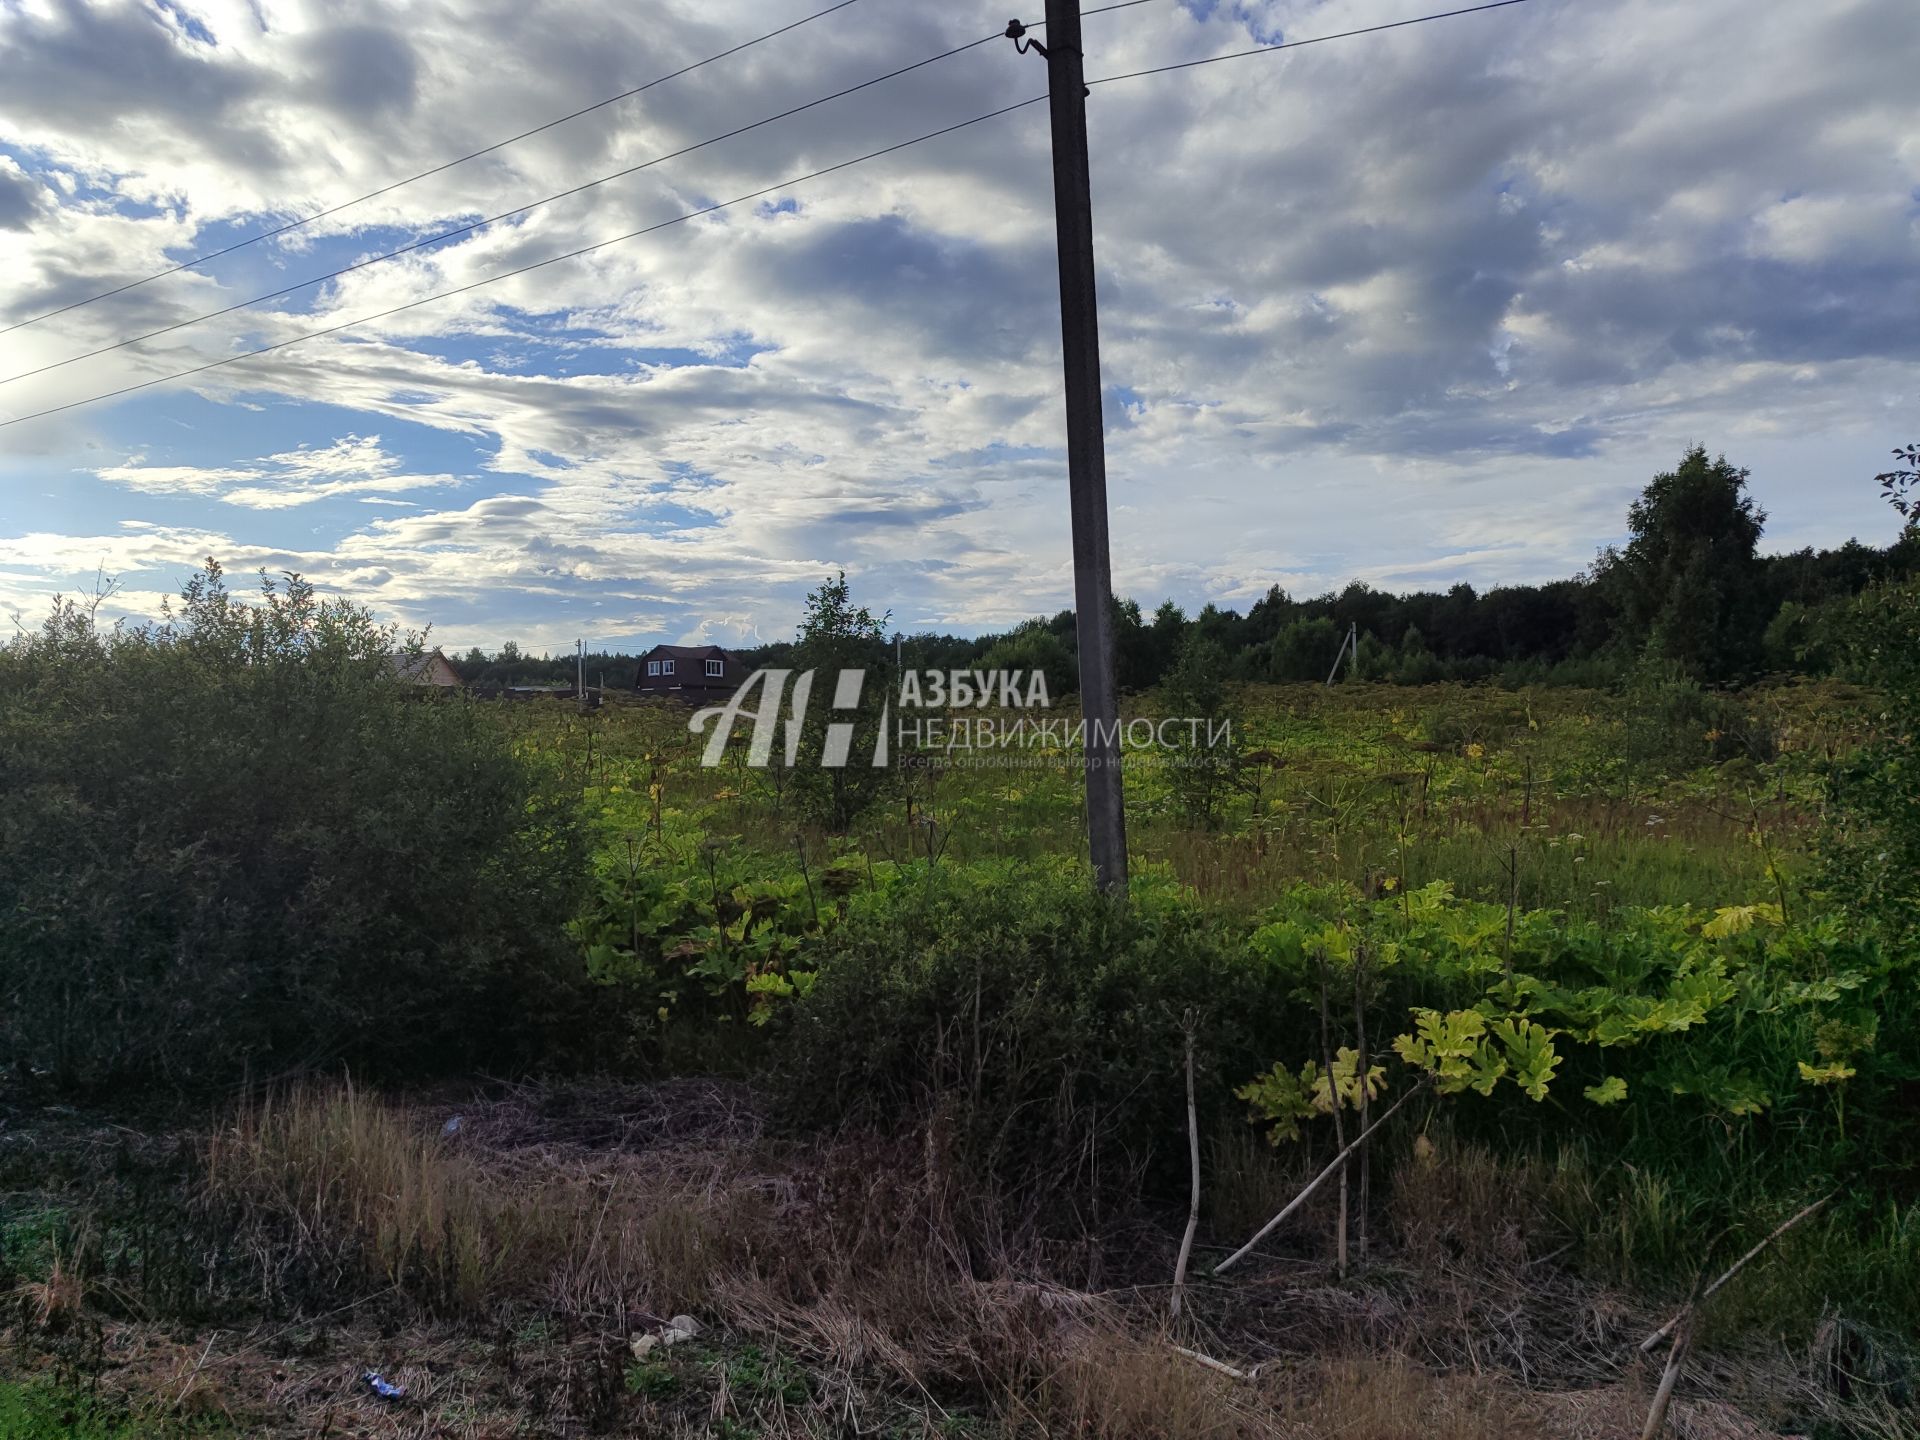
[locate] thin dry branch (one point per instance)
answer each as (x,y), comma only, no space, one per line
(1219,1365)
(1193,1208)
(1646,1345)
(1314,1184)
(1676,1357)
(1339,1127)
(1360,1069)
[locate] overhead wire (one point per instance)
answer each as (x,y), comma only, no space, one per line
(388,189)
(456,231)
(725,204)
(1296,44)
(525,269)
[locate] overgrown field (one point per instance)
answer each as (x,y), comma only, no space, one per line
(902,1113)
(1663,795)
(1611,899)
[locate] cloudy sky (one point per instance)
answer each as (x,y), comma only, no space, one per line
(1415,307)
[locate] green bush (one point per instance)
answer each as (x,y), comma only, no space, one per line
(1674,725)
(234,842)
(1870,849)
(1038,1023)
(835,635)
(1201,776)
(1304,650)
(1721,1063)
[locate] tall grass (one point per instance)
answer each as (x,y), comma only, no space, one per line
(342,1182)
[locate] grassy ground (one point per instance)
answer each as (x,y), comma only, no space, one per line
(241,1273)
(46,1411)
(1355,782)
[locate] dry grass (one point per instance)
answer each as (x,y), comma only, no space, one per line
(340,1181)
(501,1272)
(56,1300)
(1249,1180)
(353,1179)
(1121,1388)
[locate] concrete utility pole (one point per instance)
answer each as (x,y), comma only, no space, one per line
(1349,646)
(1086,447)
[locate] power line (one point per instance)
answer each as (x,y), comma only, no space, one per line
(737,200)
(467,229)
(531,206)
(292,225)
(1296,44)
(426,174)
(524,269)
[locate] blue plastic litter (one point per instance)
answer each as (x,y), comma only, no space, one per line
(383,1388)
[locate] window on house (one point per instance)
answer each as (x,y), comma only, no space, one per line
(716,668)
(653,667)
(666,667)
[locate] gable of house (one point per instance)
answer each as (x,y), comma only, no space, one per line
(700,669)
(428,667)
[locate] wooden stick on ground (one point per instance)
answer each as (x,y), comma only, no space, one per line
(1676,1357)
(1339,1126)
(1193,1155)
(1314,1184)
(1360,1071)
(1220,1365)
(1646,1345)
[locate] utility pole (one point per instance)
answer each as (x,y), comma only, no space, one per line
(1086,446)
(1349,647)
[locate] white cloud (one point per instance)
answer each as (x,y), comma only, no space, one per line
(352,465)
(1419,306)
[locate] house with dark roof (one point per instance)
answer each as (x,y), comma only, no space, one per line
(699,674)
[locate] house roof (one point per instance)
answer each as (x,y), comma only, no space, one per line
(408,666)
(687,652)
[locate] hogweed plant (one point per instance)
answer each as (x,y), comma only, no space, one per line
(1668,1016)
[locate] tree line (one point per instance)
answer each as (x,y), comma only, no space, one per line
(1690,586)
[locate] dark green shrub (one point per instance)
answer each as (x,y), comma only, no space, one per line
(1033,648)
(234,843)
(1201,774)
(1870,849)
(1039,1024)
(43,1410)
(837,635)
(1673,724)
(1304,650)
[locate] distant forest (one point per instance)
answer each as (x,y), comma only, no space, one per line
(1690,587)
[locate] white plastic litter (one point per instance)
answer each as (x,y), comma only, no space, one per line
(680,1327)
